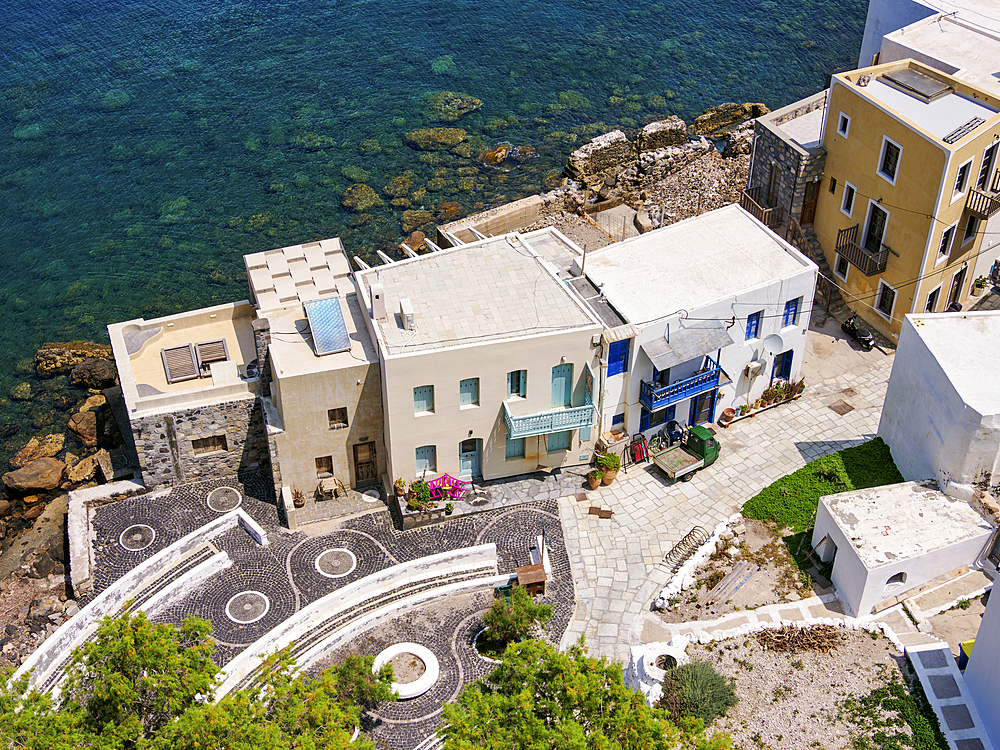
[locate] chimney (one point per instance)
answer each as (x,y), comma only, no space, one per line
(378,301)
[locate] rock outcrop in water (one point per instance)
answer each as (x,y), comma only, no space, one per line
(718,121)
(60,358)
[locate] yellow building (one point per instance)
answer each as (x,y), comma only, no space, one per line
(910,179)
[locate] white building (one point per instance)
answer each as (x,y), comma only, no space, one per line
(487,358)
(941,415)
(982,675)
(887,540)
(717,308)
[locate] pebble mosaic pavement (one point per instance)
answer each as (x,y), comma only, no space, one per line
(285,572)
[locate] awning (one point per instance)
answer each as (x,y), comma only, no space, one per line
(684,344)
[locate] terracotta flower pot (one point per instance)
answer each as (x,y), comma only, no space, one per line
(609,477)
(594,481)
(728,414)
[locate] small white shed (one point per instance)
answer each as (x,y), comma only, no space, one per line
(885,541)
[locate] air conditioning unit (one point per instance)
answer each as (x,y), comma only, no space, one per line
(406,314)
(754,368)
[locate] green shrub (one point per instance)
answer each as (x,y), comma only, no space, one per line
(609,462)
(698,691)
(791,501)
(512,622)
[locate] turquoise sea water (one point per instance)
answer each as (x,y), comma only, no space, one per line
(145,147)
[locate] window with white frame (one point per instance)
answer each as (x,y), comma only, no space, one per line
(426,458)
(971,225)
(932,301)
(468,392)
(989,156)
(888,159)
(878,217)
(844,124)
(847,204)
(944,249)
(962,180)
(423,399)
(886,300)
(791,316)
(841,267)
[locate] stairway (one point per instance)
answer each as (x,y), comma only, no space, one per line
(826,290)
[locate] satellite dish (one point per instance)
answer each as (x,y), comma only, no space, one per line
(773,344)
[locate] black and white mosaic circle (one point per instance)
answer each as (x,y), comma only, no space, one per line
(137,537)
(224,499)
(247,606)
(336,562)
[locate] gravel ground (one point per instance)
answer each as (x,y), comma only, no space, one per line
(792,701)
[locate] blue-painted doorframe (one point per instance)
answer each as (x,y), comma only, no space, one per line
(703,407)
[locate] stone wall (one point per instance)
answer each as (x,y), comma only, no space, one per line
(662,134)
(605,155)
(261,341)
(165,448)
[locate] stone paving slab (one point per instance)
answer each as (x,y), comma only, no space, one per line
(651,514)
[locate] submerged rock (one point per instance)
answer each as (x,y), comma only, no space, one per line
(361,197)
(448,106)
(414,219)
(309,141)
(46,447)
(433,139)
(94,373)
(83,424)
(21,392)
(399,186)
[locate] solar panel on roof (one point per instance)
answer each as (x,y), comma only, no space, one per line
(326,321)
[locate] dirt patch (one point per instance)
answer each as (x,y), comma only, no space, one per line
(793,700)
(754,568)
(407,668)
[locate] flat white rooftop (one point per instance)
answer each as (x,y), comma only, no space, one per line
(965,346)
(970,53)
(806,130)
(690,264)
(502,287)
(939,117)
(902,521)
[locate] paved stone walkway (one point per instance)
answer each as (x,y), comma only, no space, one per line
(616,561)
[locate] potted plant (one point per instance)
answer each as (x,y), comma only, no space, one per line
(609,464)
(400,485)
(420,495)
(728,414)
(979,286)
(449,508)
(744,408)
(594,478)
(298,498)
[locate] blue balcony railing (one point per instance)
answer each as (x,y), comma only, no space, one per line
(543,423)
(655,397)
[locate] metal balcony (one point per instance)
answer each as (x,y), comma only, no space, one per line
(983,204)
(869,262)
(655,397)
(546,422)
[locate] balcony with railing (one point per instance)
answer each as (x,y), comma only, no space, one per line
(750,201)
(655,397)
(869,262)
(983,204)
(546,422)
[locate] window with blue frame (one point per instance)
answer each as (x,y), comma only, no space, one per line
(515,448)
(792,312)
(753,324)
(618,357)
(618,419)
(517,383)
(468,392)
(559,441)
(426,458)
(783,366)
(423,398)
(648,421)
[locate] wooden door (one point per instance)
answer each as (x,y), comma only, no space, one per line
(364,463)
(809,203)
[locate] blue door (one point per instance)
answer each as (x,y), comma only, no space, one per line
(782,366)
(562,385)
(703,407)
(469,458)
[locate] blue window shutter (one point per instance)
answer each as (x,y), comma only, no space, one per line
(643,420)
(618,419)
(618,357)
(670,412)
(515,448)
(509,394)
(792,311)
(559,441)
(753,325)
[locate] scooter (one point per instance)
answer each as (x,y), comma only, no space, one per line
(862,335)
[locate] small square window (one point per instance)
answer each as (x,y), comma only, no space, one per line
(618,419)
(209,445)
(833,185)
(468,392)
(515,448)
(844,125)
(337,418)
(791,316)
(324,467)
(753,324)
(841,267)
(888,163)
(517,383)
(426,458)
(423,399)
(847,204)
(886,299)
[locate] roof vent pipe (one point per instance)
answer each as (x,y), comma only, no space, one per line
(378,301)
